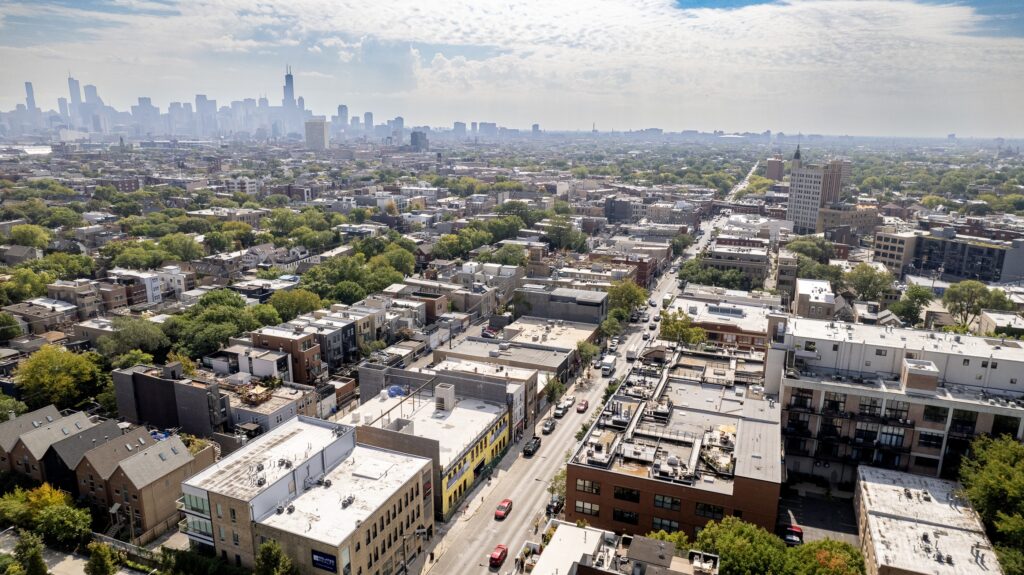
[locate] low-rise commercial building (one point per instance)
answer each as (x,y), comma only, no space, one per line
(750,261)
(913,525)
(727,325)
(561,303)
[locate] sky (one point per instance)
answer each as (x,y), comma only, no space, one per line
(858,67)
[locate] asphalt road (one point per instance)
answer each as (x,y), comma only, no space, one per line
(467,540)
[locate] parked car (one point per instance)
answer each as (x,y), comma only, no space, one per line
(647,317)
(793,535)
(569,400)
(548,426)
(652,326)
(531,447)
(503,510)
(646,336)
(652,303)
(556,505)
(582,406)
(499,555)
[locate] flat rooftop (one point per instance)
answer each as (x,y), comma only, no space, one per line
(746,318)
(913,519)
(568,545)
(278,399)
(296,439)
(818,290)
(320,513)
(558,334)
(483,368)
(907,338)
(453,430)
(543,359)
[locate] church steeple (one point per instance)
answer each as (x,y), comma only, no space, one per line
(796,156)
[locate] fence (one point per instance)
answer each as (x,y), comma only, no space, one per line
(134,552)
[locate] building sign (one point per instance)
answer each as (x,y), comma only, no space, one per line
(427,488)
(325,561)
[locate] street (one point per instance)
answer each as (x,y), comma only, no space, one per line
(469,537)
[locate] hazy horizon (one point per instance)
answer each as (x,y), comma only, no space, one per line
(840,67)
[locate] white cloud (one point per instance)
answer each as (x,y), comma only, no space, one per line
(853,66)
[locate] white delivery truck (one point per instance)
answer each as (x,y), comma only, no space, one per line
(608,365)
(634,351)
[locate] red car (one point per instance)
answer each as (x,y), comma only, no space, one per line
(582,406)
(498,555)
(504,508)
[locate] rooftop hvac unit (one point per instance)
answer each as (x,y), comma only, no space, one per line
(444,396)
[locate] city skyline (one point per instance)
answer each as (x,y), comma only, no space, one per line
(902,68)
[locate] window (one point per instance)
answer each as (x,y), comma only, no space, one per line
(231,512)
(866,432)
(588,486)
(896,409)
(984,363)
(219,511)
(668,525)
(666,502)
(933,440)
(592,509)
(995,364)
(710,511)
(234,537)
(936,414)
(926,462)
(810,345)
(881,352)
(870,406)
(623,516)
(967,362)
(835,347)
(891,436)
(626,494)
(835,402)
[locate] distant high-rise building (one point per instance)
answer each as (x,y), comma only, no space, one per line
(302,103)
(62,106)
(812,187)
(535,129)
(76,100)
(368,122)
(92,97)
(289,89)
(399,130)
(459,129)
(316,133)
(30,97)
(774,169)
(354,124)
(419,142)
(342,117)
(473,128)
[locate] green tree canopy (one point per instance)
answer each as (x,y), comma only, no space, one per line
(29,553)
(587,351)
(272,560)
(131,358)
(744,548)
(992,476)
(9,327)
(824,557)
(101,560)
(815,247)
(627,295)
(676,326)
(678,539)
(293,303)
(965,301)
(29,235)
(55,375)
(868,282)
(133,334)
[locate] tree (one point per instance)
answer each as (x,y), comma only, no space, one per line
(448,247)
(626,295)
(133,334)
(824,557)
(181,247)
(293,303)
(396,258)
(132,358)
(587,351)
(508,255)
(915,298)
(676,326)
(64,525)
(611,327)
(557,485)
(272,560)
(348,292)
(9,404)
(24,284)
(965,300)
(918,295)
(680,243)
(9,327)
(991,476)
(29,235)
(63,266)
(188,367)
(815,247)
(63,217)
(55,375)
(101,560)
(677,538)
(29,553)
(868,282)
(744,548)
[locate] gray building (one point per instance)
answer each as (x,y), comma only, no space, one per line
(166,398)
(561,303)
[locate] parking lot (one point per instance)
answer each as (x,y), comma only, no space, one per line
(820,517)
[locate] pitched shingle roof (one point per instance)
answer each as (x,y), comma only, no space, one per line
(155,461)
(12,429)
(38,440)
(72,449)
(104,459)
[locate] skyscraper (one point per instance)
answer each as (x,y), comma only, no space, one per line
(459,129)
(342,117)
(419,142)
(399,131)
(316,133)
(62,106)
(76,100)
(774,169)
(92,97)
(289,89)
(368,122)
(30,97)
(812,187)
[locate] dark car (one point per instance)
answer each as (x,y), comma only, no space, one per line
(531,446)
(555,505)
(793,535)
(548,426)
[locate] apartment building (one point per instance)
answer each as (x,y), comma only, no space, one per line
(728,325)
(914,525)
(83,293)
(897,398)
(815,299)
(307,365)
(12,428)
(678,447)
(861,219)
(750,261)
(561,303)
(812,187)
(40,315)
(300,486)
(165,398)
(27,454)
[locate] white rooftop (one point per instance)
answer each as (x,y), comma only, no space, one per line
(491,369)
(296,440)
(550,333)
(913,519)
(454,430)
(568,545)
(370,475)
(818,290)
(747,318)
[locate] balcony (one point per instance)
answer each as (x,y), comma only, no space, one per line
(962,429)
(800,404)
(797,431)
(184,528)
(180,505)
(806,354)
